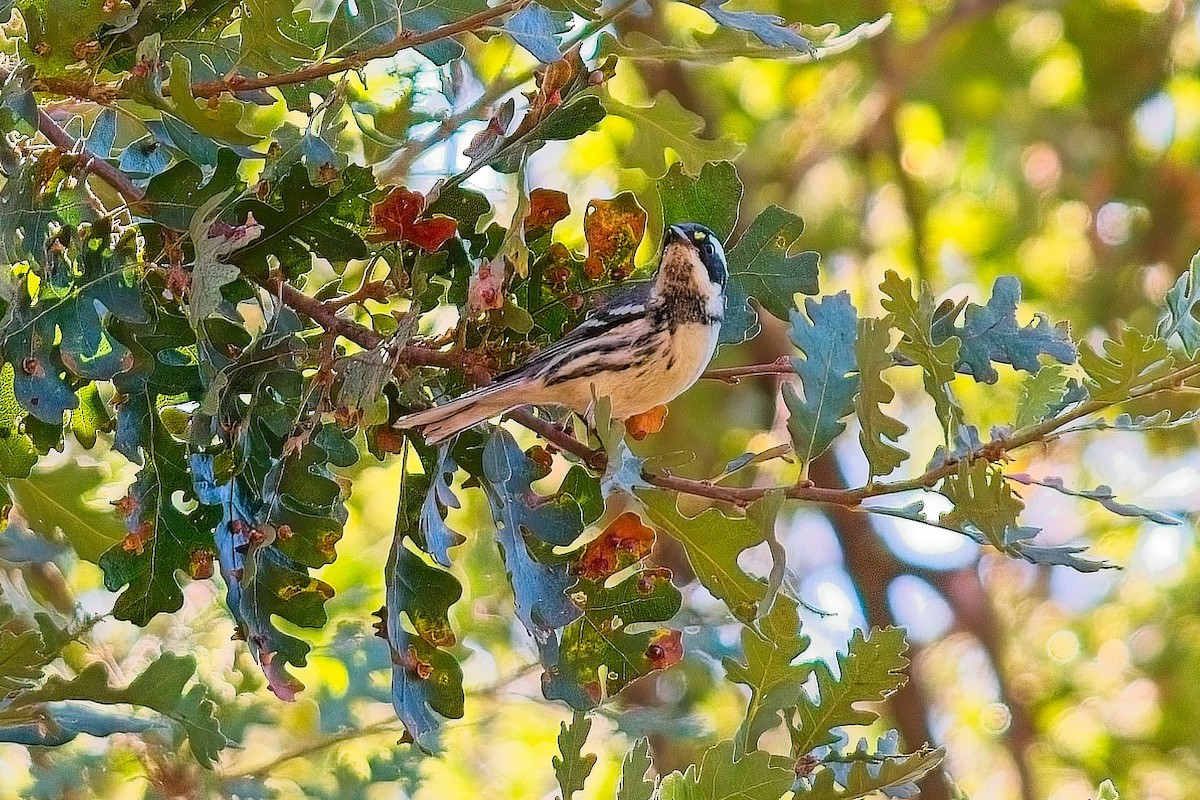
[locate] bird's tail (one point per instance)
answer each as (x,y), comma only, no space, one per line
(441,422)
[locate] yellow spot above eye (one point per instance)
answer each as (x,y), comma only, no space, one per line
(699,236)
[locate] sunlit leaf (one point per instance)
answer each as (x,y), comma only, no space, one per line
(914,316)
(571,766)
(713,542)
(870,670)
(666,125)
(879,430)
(776,683)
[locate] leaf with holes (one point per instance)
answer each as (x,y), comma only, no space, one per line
(713,542)
(528,526)
(426,677)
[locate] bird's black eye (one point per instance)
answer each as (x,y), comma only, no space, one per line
(707,248)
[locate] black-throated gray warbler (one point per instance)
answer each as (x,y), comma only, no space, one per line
(641,351)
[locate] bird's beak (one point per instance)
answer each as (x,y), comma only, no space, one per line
(675,234)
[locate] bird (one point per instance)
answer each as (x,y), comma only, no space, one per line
(641,350)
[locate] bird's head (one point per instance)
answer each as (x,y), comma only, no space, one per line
(693,260)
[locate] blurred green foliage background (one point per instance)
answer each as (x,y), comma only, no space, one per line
(1057,141)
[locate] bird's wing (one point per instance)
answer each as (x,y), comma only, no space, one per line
(625,306)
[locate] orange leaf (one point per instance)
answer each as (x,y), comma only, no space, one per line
(625,541)
(639,426)
(613,229)
(546,207)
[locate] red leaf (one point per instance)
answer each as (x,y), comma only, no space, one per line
(430,234)
(396,213)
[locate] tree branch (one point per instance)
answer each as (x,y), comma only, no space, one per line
(472,364)
(109,92)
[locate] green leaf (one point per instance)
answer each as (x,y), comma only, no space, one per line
(1041,395)
(301,220)
(588,9)
(870,775)
(90,417)
(174,197)
(634,785)
(726,44)
(721,776)
(527,526)
(421,16)
(359,24)
(62,499)
(767,28)
(713,542)
(66,330)
(914,317)
(870,670)
(1129,362)
(55,29)
(539,31)
(267,47)
(991,334)
(983,501)
(17,451)
(666,125)
(776,683)
(878,429)
(572,767)
(710,198)
(426,677)
(599,656)
(828,374)
(21,661)
(39,197)
(162,539)
(219,123)
(1179,309)
(764,266)
(160,687)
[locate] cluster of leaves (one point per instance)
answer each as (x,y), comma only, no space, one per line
(164,307)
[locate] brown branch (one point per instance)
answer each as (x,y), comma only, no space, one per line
(107,93)
(473,365)
(406,40)
(731,375)
(97,166)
